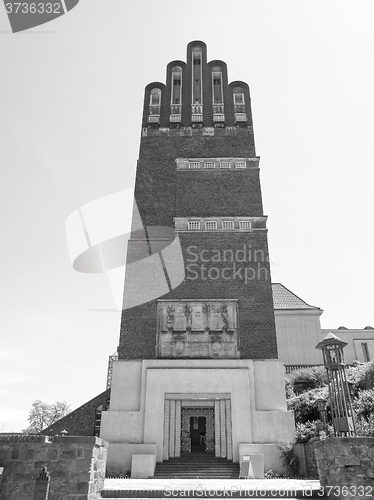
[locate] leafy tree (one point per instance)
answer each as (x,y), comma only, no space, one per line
(43,414)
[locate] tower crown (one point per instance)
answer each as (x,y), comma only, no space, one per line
(197,94)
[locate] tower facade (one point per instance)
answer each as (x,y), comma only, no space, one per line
(197,350)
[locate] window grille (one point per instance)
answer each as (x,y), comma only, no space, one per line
(175,118)
(98,413)
(240,117)
(154,118)
(197,109)
(41,485)
(218,108)
(245,224)
(227,224)
(175,109)
(193,225)
(209,164)
(197,118)
(210,224)
(225,164)
(194,164)
(218,117)
(240,164)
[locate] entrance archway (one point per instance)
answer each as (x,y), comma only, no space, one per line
(215,413)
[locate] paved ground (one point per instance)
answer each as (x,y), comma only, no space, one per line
(219,488)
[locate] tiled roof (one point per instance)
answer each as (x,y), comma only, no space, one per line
(285,299)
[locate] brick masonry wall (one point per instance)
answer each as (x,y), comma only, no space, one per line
(157,176)
(346,467)
(218,193)
(76,466)
(247,280)
(80,422)
(162,193)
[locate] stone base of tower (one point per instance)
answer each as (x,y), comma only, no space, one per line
(164,408)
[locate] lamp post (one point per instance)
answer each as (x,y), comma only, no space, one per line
(340,398)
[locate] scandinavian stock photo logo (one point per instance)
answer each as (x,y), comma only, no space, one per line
(28,14)
(101,241)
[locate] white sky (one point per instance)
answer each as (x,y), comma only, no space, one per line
(71,96)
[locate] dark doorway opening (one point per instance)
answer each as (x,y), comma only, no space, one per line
(198,434)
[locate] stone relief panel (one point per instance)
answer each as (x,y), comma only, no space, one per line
(197,329)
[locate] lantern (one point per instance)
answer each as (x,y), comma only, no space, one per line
(340,399)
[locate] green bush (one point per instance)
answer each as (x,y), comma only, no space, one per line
(363,404)
(365,427)
(312,430)
(305,405)
(306,379)
(362,376)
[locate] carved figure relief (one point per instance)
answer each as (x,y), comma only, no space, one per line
(206,309)
(216,347)
(170,318)
(197,329)
(188,314)
(178,348)
(225,321)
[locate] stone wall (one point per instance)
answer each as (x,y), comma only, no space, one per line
(346,467)
(310,459)
(306,459)
(75,465)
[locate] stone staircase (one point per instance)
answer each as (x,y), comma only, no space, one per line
(197,465)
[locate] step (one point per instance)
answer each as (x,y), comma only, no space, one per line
(197,466)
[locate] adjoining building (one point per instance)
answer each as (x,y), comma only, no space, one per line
(299,330)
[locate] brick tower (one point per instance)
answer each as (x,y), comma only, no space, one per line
(197,353)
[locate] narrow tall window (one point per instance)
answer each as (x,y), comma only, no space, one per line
(217,86)
(155,99)
(98,412)
(176,83)
(365,350)
(197,97)
(239,105)
(154,106)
